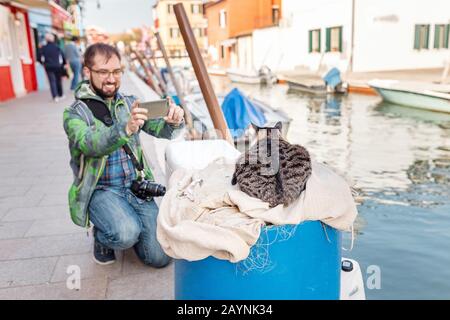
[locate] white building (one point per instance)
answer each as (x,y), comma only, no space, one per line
(362,35)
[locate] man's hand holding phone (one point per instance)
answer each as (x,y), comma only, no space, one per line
(137,119)
(175,115)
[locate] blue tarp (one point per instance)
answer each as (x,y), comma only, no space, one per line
(333,77)
(239,112)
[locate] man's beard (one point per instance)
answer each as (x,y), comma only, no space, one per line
(103,94)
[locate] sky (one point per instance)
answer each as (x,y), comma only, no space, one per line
(116,16)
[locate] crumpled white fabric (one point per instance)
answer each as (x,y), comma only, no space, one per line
(203,215)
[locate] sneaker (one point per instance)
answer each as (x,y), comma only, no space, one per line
(62,97)
(102,254)
(56,100)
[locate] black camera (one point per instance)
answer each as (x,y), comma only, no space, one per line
(145,189)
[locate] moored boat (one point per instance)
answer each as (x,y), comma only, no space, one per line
(422,95)
(264,76)
(330,83)
(267,114)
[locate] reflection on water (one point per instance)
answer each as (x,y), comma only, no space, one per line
(400,160)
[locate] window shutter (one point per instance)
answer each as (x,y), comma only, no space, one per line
(310,41)
(427,36)
(320,40)
(417,37)
(328,40)
(340,39)
(447,35)
(437,30)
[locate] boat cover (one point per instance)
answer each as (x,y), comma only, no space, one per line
(240,112)
(333,77)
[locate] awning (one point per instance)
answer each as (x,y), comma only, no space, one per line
(29,3)
(228,42)
(59,16)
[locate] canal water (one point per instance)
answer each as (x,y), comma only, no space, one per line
(399,159)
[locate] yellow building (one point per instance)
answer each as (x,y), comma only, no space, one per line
(166,23)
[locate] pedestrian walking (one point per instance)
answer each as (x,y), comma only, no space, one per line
(54,61)
(73,56)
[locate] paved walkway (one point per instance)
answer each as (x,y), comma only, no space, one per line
(38,242)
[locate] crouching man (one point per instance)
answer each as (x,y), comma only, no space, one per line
(102,126)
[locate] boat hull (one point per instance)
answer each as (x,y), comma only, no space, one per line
(414,100)
(234,77)
(294,86)
(249,78)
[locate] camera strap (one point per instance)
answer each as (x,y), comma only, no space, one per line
(102,113)
(136,163)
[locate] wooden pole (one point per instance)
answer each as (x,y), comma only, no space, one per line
(201,73)
(161,83)
(147,73)
(187,114)
(155,70)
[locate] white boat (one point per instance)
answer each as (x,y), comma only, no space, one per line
(421,95)
(312,84)
(264,75)
(307,84)
(203,123)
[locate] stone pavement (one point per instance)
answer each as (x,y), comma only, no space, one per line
(38,241)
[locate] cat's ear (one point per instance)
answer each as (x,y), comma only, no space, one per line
(279,125)
(256,127)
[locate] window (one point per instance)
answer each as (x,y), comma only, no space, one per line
(196,8)
(22,37)
(441,36)
(314,41)
(174,33)
(170,8)
(5,43)
(275,15)
(334,39)
(222,18)
(421,35)
(222,52)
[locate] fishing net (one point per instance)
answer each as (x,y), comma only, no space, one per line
(259,258)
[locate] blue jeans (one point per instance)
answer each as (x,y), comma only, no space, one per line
(75,66)
(123,221)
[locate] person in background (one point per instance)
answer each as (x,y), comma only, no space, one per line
(53,60)
(73,56)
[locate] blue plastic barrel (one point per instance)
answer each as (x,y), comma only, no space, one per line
(287,262)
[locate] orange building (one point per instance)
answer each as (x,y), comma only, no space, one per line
(230,27)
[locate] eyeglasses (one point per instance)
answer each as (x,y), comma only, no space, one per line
(105,73)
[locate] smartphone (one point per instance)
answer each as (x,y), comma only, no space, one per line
(156,108)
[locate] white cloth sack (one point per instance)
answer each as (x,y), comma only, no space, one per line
(203,215)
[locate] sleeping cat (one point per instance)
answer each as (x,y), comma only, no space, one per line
(273,170)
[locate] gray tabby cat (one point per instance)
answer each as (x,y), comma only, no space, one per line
(273,170)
